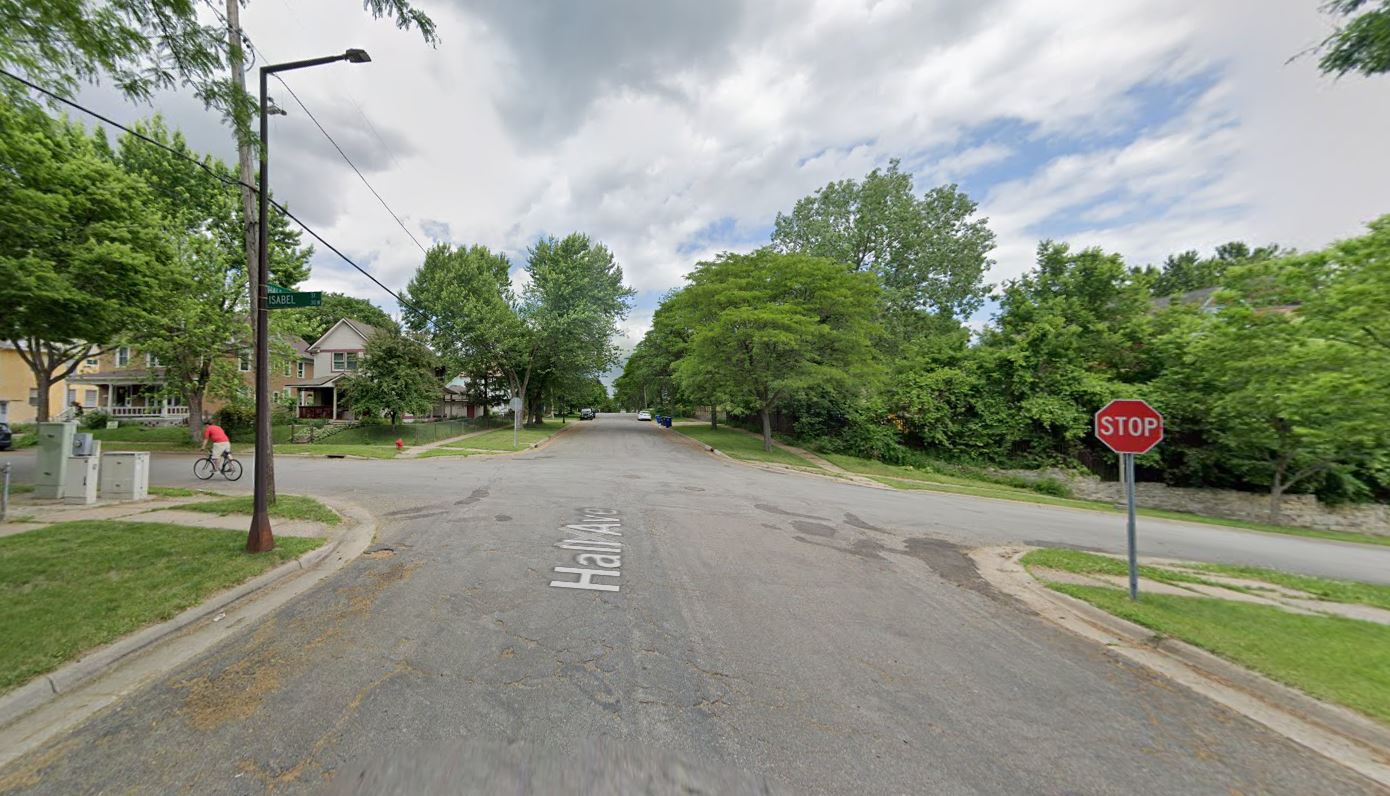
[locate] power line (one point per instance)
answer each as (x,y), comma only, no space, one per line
(359,173)
(221,177)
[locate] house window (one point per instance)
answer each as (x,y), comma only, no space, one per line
(89,398)
(122,357)
(33,396)
(93,361)
(244,364)
(300,371)
(345,360)
(72,396)
(151,361)
(287,368)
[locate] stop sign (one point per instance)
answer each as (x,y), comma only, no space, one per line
(1129,426)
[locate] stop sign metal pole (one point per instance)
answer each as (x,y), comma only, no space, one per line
(1128,464)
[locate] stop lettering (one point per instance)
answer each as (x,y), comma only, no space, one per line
(1129,426)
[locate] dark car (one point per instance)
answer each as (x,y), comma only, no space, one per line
(6,438)
(586,414)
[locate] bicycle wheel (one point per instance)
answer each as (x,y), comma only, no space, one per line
(204,469)
(231,469)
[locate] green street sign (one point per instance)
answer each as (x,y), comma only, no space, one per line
(278,298)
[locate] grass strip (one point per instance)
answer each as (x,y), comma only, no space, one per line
(1342,660)
(325,449)
(1337,591)
(1083,563)
(740,445)
(288,507)
(73,586)
(501,439)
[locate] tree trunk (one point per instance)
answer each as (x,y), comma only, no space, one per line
(767,429)
(195,415)
(713,417)
(487,397)
(43,379)
(1276,491)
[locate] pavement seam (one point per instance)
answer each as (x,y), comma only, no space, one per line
(99,663)
(1337,733)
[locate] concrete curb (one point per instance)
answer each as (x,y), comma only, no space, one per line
(846,478)
(1341,735)
(102,661)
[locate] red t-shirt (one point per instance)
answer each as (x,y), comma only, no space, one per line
(214,433)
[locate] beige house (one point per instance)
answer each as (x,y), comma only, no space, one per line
(338,353)
(19,392)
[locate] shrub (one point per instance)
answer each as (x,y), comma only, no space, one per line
(236,417)
(94,419)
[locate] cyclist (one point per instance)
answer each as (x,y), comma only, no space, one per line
(221,446)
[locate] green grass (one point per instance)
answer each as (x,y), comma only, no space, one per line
(501,439)
(324,449)
(289,507)
(1091,564)
(1342,660)
(447,451)
(21,489)
(173,491)
(1337,591)
(741,445)
(73,586)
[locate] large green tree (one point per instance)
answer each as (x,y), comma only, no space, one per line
(82,258)
(204,320)
(397,377)
(766,325)
(930,253)
(310,323)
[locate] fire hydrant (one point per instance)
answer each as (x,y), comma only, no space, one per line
(400,445)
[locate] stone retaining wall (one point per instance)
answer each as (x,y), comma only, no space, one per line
(1297,510)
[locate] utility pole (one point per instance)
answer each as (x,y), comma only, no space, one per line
(241,124)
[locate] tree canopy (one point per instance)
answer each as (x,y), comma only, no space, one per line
(1361,42)
(396,377)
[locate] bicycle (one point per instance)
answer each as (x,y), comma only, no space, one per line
(206,467)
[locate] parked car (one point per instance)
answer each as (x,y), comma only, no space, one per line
(644,415)
(586,414)
(6,438)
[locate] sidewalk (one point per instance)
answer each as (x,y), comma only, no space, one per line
(818,461)
(415,450)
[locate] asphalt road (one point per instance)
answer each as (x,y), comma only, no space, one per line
(769,632)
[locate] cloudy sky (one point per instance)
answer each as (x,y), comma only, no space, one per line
(671,131)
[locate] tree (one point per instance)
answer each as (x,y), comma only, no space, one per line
(769,324)
(561,325)
(397,377)
(1361,42)
(1342,292)
(1190,271)
(81,256)
(311,322)
(203,321)
(929,254)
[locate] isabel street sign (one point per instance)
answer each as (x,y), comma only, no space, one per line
(1129,427)
(278,298)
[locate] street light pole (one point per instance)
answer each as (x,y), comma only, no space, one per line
(260,538)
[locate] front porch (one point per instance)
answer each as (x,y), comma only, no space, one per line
(320,402)
(142,402)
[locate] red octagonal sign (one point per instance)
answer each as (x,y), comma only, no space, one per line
(1129,426)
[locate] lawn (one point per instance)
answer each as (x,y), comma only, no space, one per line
(288,507)
(741,445)
(70,587)
(326,448)
(1341,660)
(501,439)
(447,451)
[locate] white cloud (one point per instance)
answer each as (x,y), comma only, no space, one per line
(649,125)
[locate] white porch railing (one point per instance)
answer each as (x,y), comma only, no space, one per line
(148,411)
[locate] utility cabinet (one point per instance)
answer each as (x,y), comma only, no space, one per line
(55,448)
(81,484)
(125,475)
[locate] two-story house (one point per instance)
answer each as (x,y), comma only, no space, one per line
(19,392)
(128,384)
(336,354)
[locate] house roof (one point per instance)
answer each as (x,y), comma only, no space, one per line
(321,382)
(122,376)
(1200,297)
(363,330)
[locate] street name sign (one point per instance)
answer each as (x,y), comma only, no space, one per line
(278,298)
(1128,427)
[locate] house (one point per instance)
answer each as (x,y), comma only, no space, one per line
(336,354)
(128,383)
(19,392)
(457,401)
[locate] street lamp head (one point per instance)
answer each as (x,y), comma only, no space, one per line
(356,56)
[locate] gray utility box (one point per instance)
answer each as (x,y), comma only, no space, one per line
(125,476)
(81,486)
(55,447)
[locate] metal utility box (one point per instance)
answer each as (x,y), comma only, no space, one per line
(83,445)
(81,485)
(55,446)
(125,476)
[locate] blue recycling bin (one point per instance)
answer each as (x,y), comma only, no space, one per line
(667,420)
